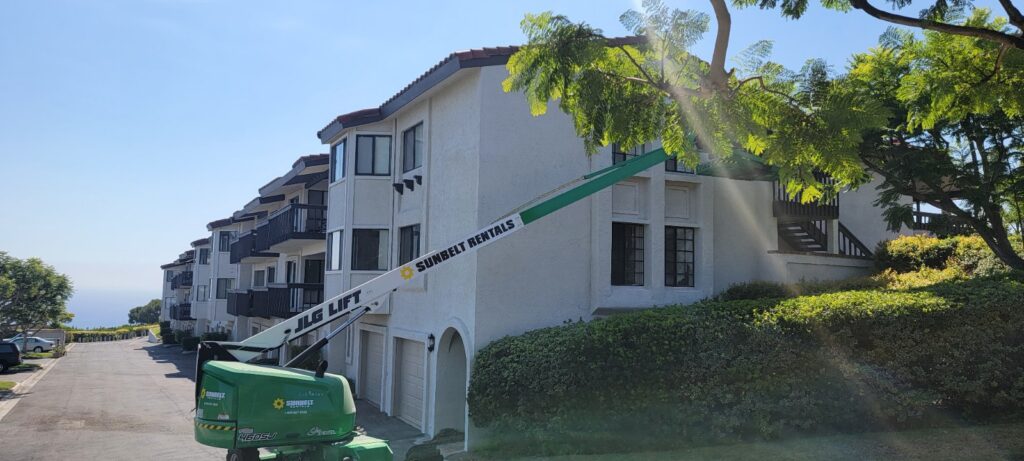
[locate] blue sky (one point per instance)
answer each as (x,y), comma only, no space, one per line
(127,125)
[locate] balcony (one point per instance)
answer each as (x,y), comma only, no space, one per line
(297,221)
(789,208)
(240,303)
(182,311)
(245,247)
(286,300)
(941,224)
(182,280)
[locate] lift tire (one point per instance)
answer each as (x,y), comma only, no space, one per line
(244,454)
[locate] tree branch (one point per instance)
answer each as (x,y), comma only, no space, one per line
(1014,14)
(638,66)
(998,65)
(968,31)
(717,73)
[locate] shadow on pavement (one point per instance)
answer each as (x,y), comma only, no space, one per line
(186,364)
(400,436)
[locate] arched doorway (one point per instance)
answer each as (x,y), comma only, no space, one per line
(450,410)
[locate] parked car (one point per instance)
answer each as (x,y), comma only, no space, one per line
(35,343)
(9,356)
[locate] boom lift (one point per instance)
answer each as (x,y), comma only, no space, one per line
(305,415)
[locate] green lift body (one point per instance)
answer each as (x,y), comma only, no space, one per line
(296,414)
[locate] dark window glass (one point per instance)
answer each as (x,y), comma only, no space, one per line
(679,256)
(7,348)
(223,285)
(271,275)
(338,161)
(412,148)
(676,166)
(373,155)
(314,271)
(627,254)
(316,197)
(224,241)
(408,243)
(259,278)
(620,155)
(369,249)
(204,256)
(169,275)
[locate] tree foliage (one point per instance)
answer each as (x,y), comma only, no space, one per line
(145,314)
(633,91)
(938,16)
(955,137)
(32,294)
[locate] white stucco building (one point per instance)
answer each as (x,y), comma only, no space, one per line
(452,152)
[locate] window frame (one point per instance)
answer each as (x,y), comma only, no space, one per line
(259,278)
(676,167)
(334,160)
(334,248)
(202,293)
(632,269)
(229,285)
(373,155)
(417,144)
(382,245)
(221,247)
(620,156)
(414,239)
(673,253)
(204,256)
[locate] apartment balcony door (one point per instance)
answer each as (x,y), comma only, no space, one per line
(313,271)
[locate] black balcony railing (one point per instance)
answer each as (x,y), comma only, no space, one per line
(240,303)
(245,247)
(182,311)
(850,245)
(182,280)
(286,301)
(296,221)
(789,207)
(941,224)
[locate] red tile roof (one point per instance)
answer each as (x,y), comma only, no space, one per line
(479,57)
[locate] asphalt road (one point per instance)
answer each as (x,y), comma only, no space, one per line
(121,400)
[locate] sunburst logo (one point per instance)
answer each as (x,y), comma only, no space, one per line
(202,393)
(406,272)
(278,404)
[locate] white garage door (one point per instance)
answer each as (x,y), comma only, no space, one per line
(409,382)
(372,361)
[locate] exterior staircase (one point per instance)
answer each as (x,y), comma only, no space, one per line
(805,236)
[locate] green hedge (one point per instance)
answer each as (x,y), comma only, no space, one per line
(911,253)
(720,371)
(107,334)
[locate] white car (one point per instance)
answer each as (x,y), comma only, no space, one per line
(35,343)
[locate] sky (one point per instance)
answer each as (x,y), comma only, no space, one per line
(127,125)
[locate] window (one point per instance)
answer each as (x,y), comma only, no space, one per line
(202,293)
(316,197)
(259,278)
(408,243)
(369,249)
(204,256)
(373,155)
(313,271)
(224,241)
(412,148)
(223,285)
(627,254)
(334,250)
(271,274)
(338,161)
(620,155)
(676,166)
(8,348)
(679,256)
(169,275)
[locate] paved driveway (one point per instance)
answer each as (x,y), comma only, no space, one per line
(114,400)
(126,400)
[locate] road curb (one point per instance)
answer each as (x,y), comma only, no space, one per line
(8,401)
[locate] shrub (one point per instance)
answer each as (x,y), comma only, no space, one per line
(729,370)
(214,336)
(755,290)
(180,335)
(168,338)
(912,252)
(59,351)
(189,343)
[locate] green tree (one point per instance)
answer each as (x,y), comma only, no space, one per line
(955,137)
(145,314)
(33,294)
(633,91)
(937,16)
